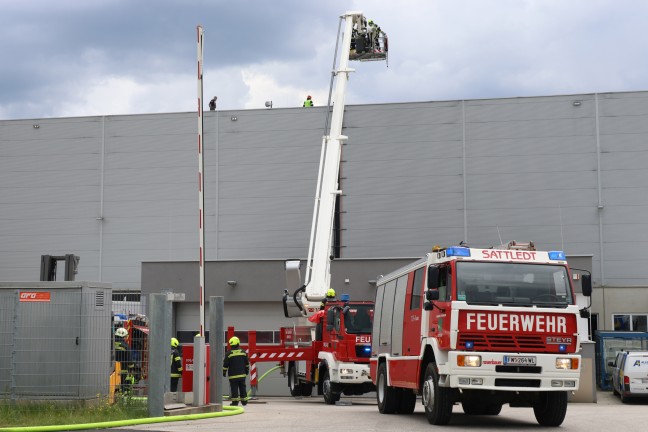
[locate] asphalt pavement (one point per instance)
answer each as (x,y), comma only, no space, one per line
(282,414)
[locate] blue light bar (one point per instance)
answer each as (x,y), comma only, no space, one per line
(345,297)
(458,251)
(557,255)
(367,349)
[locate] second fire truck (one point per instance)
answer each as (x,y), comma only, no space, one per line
(480,327)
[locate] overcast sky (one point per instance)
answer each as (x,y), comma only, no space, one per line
(61,58)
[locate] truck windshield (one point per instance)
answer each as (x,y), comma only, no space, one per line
(358,319)
(513,284)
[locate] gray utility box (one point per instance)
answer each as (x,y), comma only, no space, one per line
(55,340)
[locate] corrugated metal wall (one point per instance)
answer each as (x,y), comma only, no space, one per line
(546,169)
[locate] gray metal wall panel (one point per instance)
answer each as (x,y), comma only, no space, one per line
(521,109)
(402,169)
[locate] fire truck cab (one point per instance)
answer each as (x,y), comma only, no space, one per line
(480,327)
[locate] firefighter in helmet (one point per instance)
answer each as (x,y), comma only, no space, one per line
(176,364)
(308,102)
(330,296)
(236,365)
(124,356)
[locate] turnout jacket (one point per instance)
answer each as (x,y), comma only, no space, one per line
(236,363)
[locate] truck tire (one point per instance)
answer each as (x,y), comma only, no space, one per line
(436,400)
(293,381)
(407,401)
(306,389)
(385,395)
(551,408)
(472,406)
(330,397)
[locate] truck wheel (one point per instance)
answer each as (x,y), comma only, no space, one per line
(436,400)
(407,402)
(473,407)
(550,410)
(293,381)
(493,409)
(330,397)
(306,389)
(385,395)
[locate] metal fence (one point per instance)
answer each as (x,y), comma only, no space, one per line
(57,343)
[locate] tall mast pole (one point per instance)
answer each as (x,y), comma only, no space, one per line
(201,183)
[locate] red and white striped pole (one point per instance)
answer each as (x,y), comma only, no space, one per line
(200,370)
(201,183)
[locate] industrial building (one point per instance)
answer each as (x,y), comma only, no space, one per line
(567,172)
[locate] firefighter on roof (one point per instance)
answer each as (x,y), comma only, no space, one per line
(237,366)
(176,364)
(308,102)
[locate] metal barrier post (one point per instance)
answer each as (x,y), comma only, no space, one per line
(254,383)
(159,353)
(216,348)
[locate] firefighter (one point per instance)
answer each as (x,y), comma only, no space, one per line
(237,365)
(308,102)
(176,364)
(124,356)
(330,296)
(212,104)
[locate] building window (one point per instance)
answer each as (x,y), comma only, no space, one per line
(630,322)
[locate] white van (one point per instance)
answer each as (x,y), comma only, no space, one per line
(630,374)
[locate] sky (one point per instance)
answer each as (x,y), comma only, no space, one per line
(69,58)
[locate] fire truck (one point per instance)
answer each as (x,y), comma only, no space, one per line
(329,346)
(479,327)
(332,356)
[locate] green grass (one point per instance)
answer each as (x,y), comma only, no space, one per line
(56,413)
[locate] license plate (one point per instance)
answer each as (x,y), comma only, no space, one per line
(520,360)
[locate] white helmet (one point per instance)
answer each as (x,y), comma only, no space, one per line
(121,332)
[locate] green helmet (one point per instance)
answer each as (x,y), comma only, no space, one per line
(174,343)
(234,341)
(330,293)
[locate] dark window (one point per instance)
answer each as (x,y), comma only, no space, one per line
(416,289)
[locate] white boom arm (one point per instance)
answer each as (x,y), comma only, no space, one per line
(318,270)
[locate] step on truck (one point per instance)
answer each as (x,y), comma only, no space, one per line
(480,328)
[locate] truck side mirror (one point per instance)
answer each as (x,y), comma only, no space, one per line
(433,277)
(586,284)
(432,294)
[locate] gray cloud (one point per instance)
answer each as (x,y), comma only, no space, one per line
(68,57)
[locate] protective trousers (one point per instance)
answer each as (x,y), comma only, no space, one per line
(238,392)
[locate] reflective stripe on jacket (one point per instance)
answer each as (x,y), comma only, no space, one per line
(236,364)
(176,363)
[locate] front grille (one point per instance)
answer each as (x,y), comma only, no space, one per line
(361,352)
(519,369)
(503,342)
(508,382)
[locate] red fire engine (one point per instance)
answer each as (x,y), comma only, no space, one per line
(335,352)
(480,327)
(333,356)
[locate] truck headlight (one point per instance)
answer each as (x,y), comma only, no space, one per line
(469,360)
(566,363)
(345,371)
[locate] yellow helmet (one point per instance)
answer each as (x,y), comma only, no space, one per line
(234,341)
(121,332)
(330,293)
(174,343)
